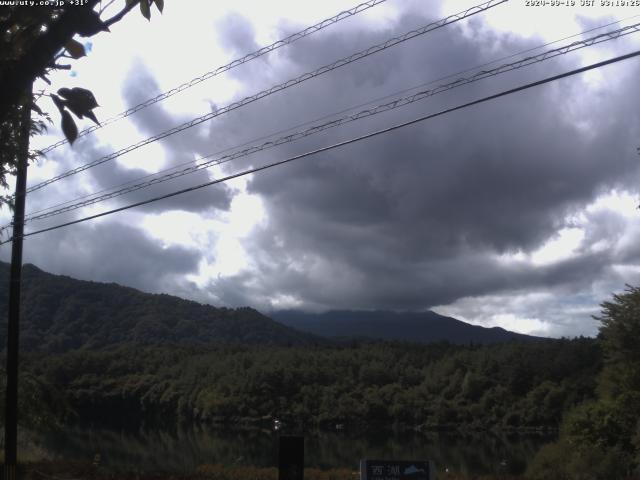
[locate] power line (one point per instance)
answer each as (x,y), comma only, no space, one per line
(334,123)
(295,81)
(341,144)
(611,35)
(235,63)
(396,103)
(370,102)
(385,97)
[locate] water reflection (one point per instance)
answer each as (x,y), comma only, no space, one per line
(183,449)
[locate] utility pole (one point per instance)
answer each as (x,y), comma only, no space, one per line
(15,280)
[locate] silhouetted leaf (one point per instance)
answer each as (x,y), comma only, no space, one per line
(75,49)
(159,4)
(84,96)
(79,100)
(92,116)
(36,109)
(69,127)
(144,8)
(59,103)
(90,24)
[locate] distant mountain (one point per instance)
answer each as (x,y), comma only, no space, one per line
(421,327)
(60,313)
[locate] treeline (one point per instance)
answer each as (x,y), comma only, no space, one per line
(509,386)
(61,314)
(600,438)
(589,388)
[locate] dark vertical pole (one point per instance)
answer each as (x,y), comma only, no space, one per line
(291,457)
(11,405)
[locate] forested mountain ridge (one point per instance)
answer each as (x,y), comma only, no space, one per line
(60,313)
(419,327)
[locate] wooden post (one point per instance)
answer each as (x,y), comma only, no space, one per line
(291,458)
(15,280)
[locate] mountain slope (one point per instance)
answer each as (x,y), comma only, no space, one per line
(421,327)
(60,313)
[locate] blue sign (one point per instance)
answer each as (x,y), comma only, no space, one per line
(395,470)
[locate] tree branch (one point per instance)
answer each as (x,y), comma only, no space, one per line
(34,63)
(102,9)
(117,17)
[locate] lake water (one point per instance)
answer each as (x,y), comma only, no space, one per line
(183,449)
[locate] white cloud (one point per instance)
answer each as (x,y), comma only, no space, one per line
(563,246)
(542,313)
(185,42)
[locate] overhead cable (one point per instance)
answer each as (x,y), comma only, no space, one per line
(277,88)
(331,115)
(381,108)
(339,144)
(224,68)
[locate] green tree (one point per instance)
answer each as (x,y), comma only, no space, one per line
(601,439)
(33,39)
(620,331)
(620,378)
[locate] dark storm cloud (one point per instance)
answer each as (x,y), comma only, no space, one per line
(180,149)
(236,35)
(109,252)
(419,217)
(218,197)
(370,279)
(424,216)
(86,149)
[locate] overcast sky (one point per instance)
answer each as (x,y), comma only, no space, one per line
(519,213)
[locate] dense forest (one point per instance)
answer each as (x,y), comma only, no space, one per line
(508,386)
(237,367)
